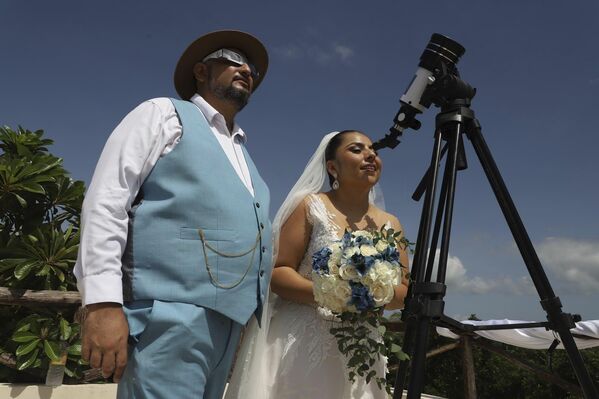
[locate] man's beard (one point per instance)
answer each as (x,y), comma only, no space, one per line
(238,97)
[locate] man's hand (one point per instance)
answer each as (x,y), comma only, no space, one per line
(104,341)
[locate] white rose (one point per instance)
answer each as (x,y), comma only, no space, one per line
(333,267)
(335,305)
(334,259)
(342,291)
(335,252)
(348,272)
(382,293)
(322,287)
(349,252)
(368,250)
(381,272)
(381,245)
(331,293)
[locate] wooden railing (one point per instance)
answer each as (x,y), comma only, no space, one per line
(22,297)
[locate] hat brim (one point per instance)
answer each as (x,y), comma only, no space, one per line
(254,50)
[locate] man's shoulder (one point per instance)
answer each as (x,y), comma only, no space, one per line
(161,102)
(152,107)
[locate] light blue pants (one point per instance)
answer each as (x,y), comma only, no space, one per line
(177,351)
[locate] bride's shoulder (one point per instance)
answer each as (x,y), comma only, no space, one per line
(306,209)
(388,219)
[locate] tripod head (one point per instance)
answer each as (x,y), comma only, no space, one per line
(437,81)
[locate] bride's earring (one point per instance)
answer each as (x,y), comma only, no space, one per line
(335,184)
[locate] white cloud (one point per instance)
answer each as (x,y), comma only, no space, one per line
(574,262)
(344,52)
(321,54)
(458,279)
(291,52)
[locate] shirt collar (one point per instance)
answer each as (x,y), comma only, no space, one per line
(212,115)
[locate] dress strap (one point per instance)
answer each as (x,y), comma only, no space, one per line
(318,213)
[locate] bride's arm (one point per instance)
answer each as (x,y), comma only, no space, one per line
(400,290)
(293,243)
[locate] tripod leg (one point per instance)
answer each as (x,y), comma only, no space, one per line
(437,229)
(457,155)
(432,301)
(558,320)
(417,269)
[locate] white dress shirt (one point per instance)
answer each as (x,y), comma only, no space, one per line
(147,133)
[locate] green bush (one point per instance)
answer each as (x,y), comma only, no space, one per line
(40,207)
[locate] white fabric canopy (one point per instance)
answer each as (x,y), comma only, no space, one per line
(586,334)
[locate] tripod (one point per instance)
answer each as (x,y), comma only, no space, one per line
(424,301)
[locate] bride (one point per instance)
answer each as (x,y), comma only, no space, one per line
(293,355)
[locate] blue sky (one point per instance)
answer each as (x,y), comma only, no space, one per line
(75,69)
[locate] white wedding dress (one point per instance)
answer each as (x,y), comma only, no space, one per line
(300,357)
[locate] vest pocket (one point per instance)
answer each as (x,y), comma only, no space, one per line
(190,233)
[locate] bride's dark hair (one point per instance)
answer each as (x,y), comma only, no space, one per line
(331,150)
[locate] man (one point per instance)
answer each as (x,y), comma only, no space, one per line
(175,251)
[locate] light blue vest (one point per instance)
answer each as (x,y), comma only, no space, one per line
(194,190)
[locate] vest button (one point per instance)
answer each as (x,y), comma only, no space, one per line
(262,225)
(263,249)
(261,273)
(257,205)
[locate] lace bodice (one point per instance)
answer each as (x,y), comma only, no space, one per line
(324,232)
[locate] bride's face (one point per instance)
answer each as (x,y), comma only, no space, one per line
(356,162)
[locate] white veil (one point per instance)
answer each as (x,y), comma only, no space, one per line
(252,374)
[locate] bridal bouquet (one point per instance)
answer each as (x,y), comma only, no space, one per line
(354,278)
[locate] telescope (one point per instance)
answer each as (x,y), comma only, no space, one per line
(437,81)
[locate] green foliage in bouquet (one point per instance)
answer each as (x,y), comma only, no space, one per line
(356,341)
(40,207)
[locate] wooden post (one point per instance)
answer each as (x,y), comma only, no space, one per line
(468,367)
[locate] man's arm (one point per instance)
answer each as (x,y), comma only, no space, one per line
(127,158)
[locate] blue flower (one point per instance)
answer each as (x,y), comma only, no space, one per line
(358,262)
(369,262)
(361,263)
(346,239)
(361,240)
(320,261)
(360,297)
(391,254)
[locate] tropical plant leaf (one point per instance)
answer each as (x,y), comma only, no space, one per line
(395,348)
(75,350)
(22,270)
(20,199)
(24,336)
(28,347)
(52,350)
(29,361)
(65,330)
(32,187)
